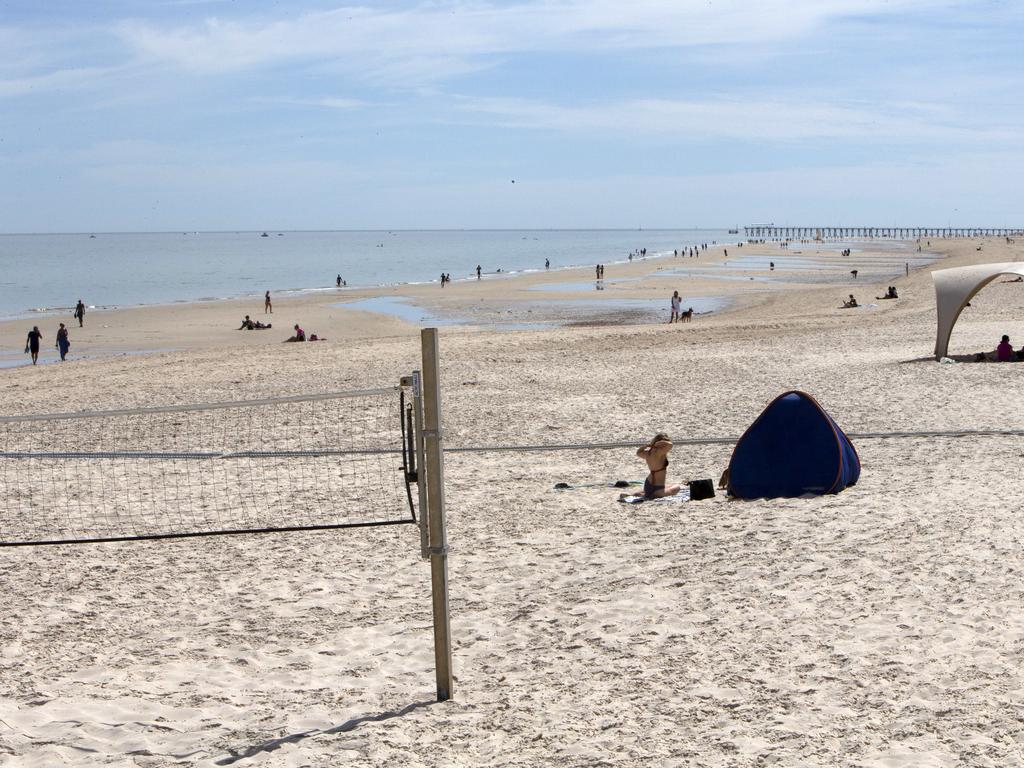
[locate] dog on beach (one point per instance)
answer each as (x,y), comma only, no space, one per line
(687,316)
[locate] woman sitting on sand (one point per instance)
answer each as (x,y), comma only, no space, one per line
(1004,352)
(655,454)
(300,335)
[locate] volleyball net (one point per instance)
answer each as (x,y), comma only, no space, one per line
(335,460)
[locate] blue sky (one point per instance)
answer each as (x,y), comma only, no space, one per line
(216,114)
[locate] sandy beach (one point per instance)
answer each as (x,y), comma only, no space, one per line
(878,627)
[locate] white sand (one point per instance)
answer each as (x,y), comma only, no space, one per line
(881,626)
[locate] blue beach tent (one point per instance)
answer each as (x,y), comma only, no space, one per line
(793,448)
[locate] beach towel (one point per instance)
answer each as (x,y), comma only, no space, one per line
(683,495)
(616,484)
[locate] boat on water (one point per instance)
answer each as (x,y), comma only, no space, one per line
(264,235)
(734,231)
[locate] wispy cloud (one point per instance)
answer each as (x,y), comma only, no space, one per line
(62,79)
(744,119)
(326,102)
(441,37)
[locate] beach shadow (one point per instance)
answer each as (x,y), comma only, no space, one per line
(972,357)
(295,738)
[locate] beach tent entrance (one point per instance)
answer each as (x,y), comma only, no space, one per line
(793,448)
(957,286)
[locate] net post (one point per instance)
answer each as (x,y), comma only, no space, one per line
(421,462)
(438,536)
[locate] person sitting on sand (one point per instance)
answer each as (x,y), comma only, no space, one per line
(655,454)
(300,335)
(247,325)
(1004,352)
(851,303)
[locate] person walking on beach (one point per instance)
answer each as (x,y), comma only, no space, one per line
(655,453)
(477,271)
(63,343)
(32,343)
(267,305)
(547,263)
(79,312)
(338,281)
(676,303)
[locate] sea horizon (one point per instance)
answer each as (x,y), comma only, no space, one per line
(46,274)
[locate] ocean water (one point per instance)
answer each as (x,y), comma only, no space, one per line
(47,274)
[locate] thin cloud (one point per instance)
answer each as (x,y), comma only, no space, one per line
(327,102)
(369,40)
(754,120)
(65,79)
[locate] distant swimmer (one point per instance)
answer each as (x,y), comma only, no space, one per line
(267,305)
(79,313)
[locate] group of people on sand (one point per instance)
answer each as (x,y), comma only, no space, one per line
(35,336)
(248,324)
(63,344)
(691,251)
(890,293)
(678,315)
(300,335)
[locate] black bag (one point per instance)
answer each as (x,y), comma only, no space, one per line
(701,489)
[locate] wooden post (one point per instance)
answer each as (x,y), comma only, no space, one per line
(438,536)
(421,462)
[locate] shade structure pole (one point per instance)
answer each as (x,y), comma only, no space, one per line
(437,533)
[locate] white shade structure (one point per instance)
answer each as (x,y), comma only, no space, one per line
(955,287)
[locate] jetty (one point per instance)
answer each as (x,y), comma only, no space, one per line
(772,232)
